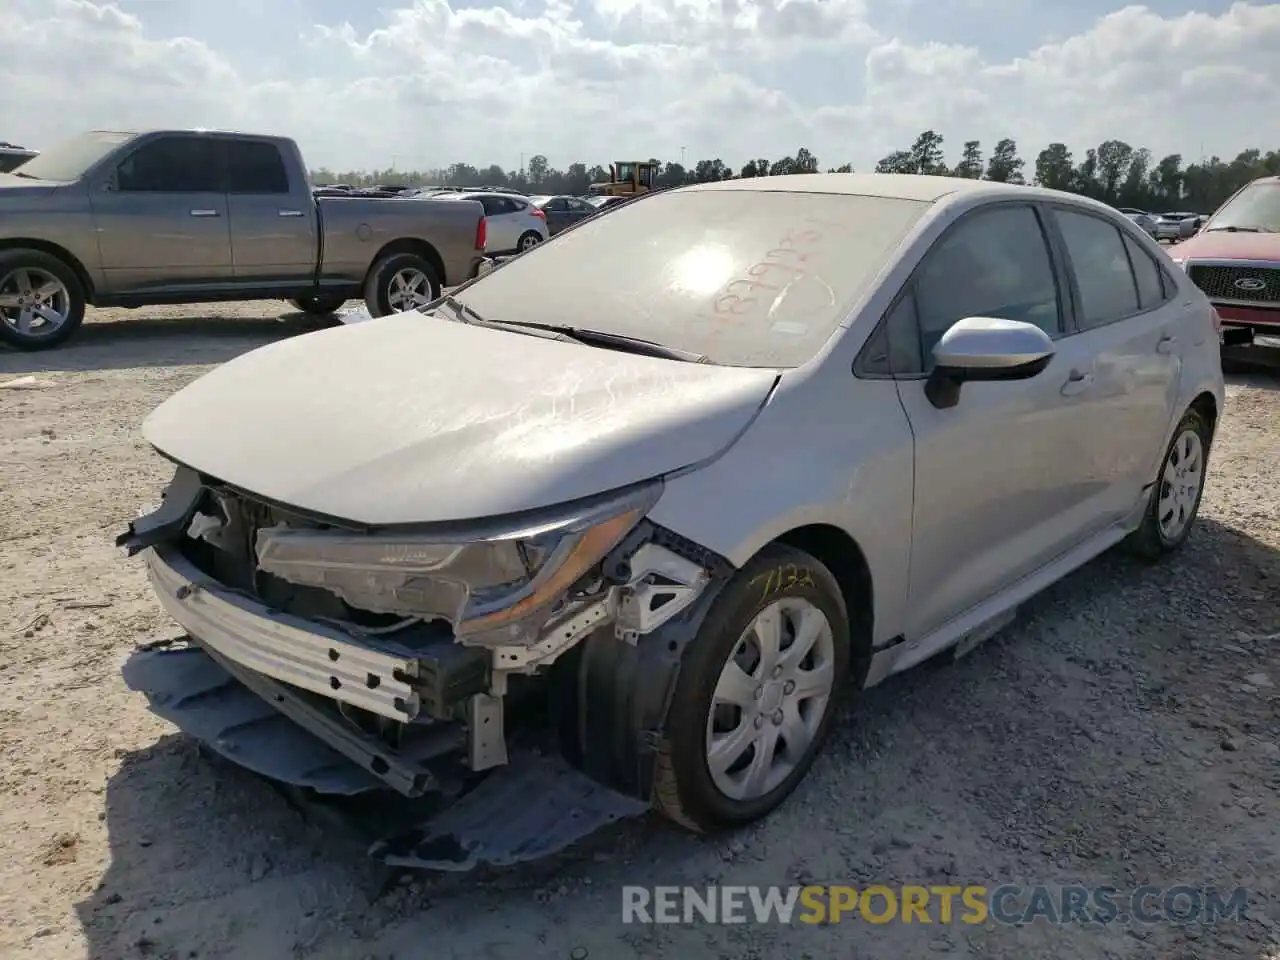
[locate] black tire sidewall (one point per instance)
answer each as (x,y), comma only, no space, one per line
(318,306)
(537,239)
(705,657)
(375,293)
(1191,420)
(15,259)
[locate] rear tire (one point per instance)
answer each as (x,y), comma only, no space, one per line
(320,305)
(528,241)
(34,280)
(1175,499)
(800,590)
(400,282)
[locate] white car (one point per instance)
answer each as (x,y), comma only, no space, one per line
(513,223)
(698,469)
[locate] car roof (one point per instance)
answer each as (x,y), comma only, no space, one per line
(900,186)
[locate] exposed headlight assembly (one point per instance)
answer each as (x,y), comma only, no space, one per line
(491,583)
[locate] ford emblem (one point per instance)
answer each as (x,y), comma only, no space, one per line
(1251,284)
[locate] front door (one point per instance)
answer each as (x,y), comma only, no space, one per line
(557,211)
(161,218)
(1001,483)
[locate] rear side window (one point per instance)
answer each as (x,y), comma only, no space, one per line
(171,165)
(1108,290)
(1147,274)
(993,263)
(255,167)
(558,205)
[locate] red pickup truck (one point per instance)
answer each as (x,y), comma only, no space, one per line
(1235,259)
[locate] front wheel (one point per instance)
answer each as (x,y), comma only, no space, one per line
(756,693)
(1175,498)
(42,301)
(400,282)
(320,305)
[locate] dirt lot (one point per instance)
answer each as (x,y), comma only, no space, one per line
(1125,732)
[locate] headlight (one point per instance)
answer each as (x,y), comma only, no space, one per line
(480,585)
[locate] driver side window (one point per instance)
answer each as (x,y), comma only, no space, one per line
(994,263)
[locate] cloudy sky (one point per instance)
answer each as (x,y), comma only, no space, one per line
(422,83)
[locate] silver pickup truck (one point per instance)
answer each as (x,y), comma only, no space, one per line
(185,216)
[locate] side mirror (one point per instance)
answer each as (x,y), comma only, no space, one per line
(985,349)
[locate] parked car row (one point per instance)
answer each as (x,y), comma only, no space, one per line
(1177,225)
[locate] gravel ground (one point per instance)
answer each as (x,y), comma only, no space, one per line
(1124,731)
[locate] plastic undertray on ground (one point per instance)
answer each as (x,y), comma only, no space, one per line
(534,806)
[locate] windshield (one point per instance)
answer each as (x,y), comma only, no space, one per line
(71,159)
(1256,207)
(748,278)
(626,171)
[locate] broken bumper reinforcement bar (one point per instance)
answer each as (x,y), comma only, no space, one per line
(299,652)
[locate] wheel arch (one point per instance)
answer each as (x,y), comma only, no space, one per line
(53,250)
(1206,404)
(840,553)
(412,245)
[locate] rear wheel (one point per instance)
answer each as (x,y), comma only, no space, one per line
(528,241)
(400,282)
(42,301)
(756,693)
(320,305)
(1175,499)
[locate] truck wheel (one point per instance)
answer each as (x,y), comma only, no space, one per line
(320,305)
(42,300)
(756,693)
(400,282)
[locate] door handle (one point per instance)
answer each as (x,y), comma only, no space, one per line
(1166,343)
(205,213)
(1077,381)
(288,213)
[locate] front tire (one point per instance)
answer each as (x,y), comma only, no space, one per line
(42,301)
(1175,499)
(400,282)
(756,693)
(321,305)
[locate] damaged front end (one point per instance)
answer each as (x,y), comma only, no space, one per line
(512,678)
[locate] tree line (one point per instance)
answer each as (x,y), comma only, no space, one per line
(1114,172)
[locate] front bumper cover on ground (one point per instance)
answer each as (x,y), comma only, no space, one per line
(532,807)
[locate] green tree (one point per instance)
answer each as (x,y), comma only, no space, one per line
(1005,166)
(1053,167)
(970,165)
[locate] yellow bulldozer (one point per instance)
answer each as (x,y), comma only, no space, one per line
(628,178)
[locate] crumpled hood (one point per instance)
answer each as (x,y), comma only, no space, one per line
(418,419)
(1223,245)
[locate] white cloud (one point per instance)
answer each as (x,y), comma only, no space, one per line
(589,81)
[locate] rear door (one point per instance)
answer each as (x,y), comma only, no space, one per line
(1129,318)
(273,218)
(502,227)
(1001,479)
(557,211)
(161,217)
(579,210)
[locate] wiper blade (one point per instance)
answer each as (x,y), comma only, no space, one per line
(463,310)
(603,338)
(25,176)
(1235,229)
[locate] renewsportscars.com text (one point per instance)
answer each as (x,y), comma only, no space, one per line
(1008,904)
